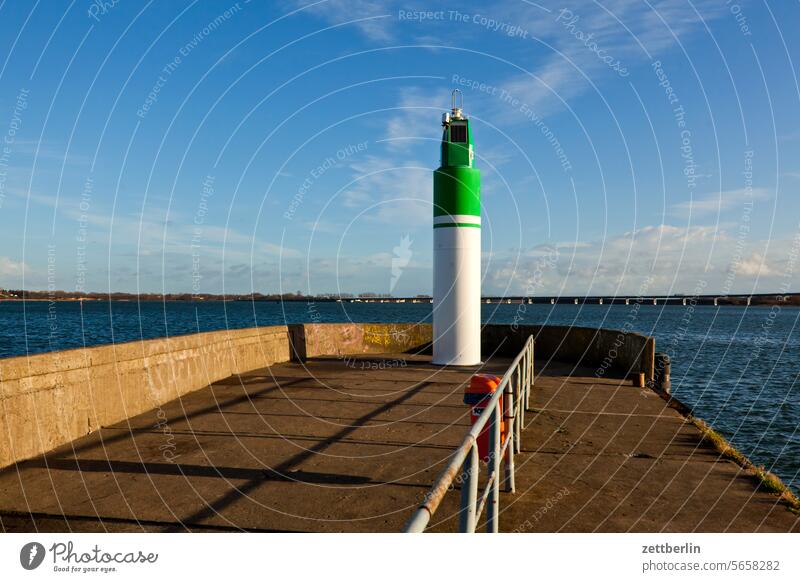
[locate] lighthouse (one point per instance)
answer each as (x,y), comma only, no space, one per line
(456,245)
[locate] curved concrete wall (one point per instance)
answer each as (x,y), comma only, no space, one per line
(47,400)
(608,350)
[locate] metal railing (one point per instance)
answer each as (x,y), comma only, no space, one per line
(515,387)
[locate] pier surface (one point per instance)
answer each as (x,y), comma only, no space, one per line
(354,444)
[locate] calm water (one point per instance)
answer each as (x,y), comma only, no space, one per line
(738,368)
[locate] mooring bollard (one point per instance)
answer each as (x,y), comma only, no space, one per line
(637,379)
(662,372)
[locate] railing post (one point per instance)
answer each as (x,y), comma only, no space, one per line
(493,501)
(511,433)
(517,444)
(469,491)
(531,375)
(521,397)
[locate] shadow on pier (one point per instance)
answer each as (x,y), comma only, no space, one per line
(354,444)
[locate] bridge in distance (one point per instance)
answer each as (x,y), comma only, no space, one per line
(717,300)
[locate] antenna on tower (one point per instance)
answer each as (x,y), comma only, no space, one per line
(458,103)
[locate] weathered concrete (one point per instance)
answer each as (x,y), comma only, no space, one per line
(601,455)
(353,443)
(606,350)
(47,400)
(336,339)
(338,444)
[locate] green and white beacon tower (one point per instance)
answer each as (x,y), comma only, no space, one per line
(456,245)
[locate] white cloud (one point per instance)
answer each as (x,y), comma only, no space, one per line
(720,201)
(370,17)
(629,32)
(36,197)
(391,191)
(11,268)
(48,150)
(755,265)
(395,187)
(418,118)
(663,258)
(625,30)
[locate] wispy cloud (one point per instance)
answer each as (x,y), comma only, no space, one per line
(48,150)
(370,17)
(662,258)
(392,186)
(11,268)
(570,43)
(391,190)
(720,202)
(416,120)
(628,32)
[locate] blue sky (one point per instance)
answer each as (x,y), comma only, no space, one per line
(625,146)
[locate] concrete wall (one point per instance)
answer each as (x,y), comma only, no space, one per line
(47,400)
(608,350)
(338,339)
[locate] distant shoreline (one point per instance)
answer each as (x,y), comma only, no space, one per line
(755,300)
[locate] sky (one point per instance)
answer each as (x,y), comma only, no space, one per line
(625,146)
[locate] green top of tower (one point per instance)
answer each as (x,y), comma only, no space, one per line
(457,149)
(457,183)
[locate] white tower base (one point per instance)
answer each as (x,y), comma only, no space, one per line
(457,295)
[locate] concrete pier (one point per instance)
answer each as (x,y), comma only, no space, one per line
(330,445)
(335,441)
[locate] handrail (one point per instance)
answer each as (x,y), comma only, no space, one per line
(516,392)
